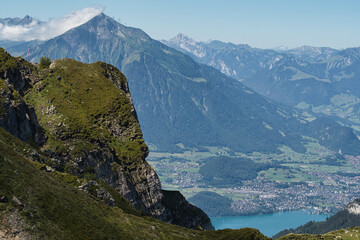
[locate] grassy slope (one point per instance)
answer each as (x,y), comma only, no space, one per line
(55,209)
(76,101)
(344,234)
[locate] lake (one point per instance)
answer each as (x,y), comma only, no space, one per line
(268,224)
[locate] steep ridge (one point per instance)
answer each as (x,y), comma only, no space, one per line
(82,117)
(178,101)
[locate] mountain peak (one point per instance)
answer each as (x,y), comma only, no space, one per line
(17,21)
(183,38)
(183,42)
(106,26)
(312,49)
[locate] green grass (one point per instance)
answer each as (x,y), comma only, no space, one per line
(56,209)
(78,104)
(7,63)
(343,234)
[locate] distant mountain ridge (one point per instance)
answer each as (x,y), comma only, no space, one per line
(318,79)
(257,67)
(17,21)
(178,101)
(313,54)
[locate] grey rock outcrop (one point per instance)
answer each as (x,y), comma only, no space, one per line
(181,212)
(94,188)
(16,116)
(20,120)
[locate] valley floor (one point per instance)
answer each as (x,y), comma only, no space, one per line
(301,181)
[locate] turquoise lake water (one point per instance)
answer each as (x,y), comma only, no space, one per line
(268,224)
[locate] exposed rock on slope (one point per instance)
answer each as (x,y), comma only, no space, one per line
(15,115)
(176,205)
(86,113)
(53,206)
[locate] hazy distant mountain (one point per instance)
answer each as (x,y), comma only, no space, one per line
(179,102)
(292,80)
(182,41)
(292,76)
(236,61)
(319,79)
(281,48)
(17,21)
(313,54)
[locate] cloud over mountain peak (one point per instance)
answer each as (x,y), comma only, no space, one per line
(36,30)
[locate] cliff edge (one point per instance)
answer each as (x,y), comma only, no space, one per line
(81,120)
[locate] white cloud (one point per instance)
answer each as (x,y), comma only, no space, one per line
(45,30)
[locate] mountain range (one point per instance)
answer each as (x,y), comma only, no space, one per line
(15,22)
(181,104)
(317,79)
(72,154)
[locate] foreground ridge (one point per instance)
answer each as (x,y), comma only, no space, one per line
(81,121)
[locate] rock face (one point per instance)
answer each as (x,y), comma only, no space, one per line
(181,212)
(83,118)
(20,120)
(16,116)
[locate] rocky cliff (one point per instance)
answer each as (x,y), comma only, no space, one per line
(81,117)
(15,115)
(177,205)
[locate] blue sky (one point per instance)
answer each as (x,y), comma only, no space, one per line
(259,23)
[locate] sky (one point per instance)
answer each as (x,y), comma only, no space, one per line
(259,23)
